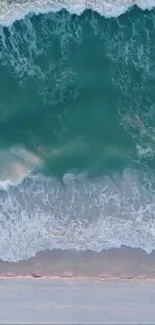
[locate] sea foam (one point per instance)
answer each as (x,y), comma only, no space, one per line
(17,9)
(84,214)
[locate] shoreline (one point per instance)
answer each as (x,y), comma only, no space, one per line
(115,263)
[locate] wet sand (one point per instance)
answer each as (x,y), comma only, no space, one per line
(123,262)
(76,301)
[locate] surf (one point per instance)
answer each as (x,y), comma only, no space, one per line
(89,215)
(11,11)
(16,164)
(77,129)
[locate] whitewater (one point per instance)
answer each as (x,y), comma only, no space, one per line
(40,214)
(17,9)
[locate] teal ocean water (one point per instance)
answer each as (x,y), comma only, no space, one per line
(77,126)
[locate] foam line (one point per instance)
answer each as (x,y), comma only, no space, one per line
(17,9)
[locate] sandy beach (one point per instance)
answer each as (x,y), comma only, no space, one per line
(72,301)
(123,262)
(71,287)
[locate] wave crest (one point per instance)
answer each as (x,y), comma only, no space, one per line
(15,165)
(17,9)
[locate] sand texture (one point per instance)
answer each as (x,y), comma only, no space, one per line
(72,301)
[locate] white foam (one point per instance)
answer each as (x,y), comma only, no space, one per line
(17,9)
(84,214)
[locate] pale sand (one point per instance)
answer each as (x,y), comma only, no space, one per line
(123,262)
(72,301)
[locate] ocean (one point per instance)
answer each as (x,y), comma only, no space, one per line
(77,125)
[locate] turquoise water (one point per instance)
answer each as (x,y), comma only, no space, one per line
(58,69)
(77,132)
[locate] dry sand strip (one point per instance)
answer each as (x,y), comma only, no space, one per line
(72,301)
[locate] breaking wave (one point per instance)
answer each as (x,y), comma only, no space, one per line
(82,214)
(18,9)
